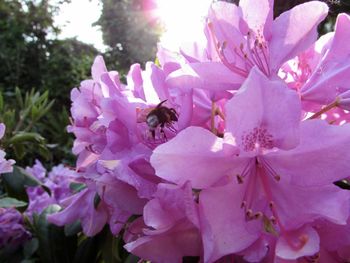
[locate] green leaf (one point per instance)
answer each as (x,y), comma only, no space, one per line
(88,250)
(1,102)
(72,229)
(76,187)
(110,249)
(26,137)
(11,202)
(19,151)
(54,246)
(19,97)
(30,247)
(132,259)
(17,181)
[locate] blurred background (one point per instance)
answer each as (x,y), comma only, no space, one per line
(47,47)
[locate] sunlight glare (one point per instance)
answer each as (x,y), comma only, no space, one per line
(183,20)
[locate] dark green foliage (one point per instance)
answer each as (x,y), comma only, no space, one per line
(54,246)
(31,57)
(16,182)
(22,115)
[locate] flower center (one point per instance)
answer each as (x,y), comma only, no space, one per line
(253,52)
(257,139)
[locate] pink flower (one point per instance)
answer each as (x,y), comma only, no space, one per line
(170,230)
(244,36)
(268,163)
(5,165)
(329,79)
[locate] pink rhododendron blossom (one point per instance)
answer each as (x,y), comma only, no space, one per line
(213,150)
(270,167)
(328,80)
(244,36)
(320,74)
(171,227)
(57,182)
(114,145)
(5,165)
(12,230)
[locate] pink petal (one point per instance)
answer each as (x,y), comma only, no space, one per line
(169,247)
(81,207)
(262,103)
(225,20)
(297,205)
(311,247)
(321,158)
(2,130)
(205,75)
(154,84)
(194,155)
(119,194)
(330,78)
(98,68)
(135,81)
(258,15)
(223,225)
(294,31)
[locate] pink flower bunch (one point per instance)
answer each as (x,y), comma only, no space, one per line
(229,150)
(12,229)
(58,181)
(5,165)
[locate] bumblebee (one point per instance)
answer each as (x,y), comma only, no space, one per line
(161,116)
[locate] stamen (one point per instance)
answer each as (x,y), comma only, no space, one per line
(239,179)
(220,52)
(273,220)
(212,118)
(249,214)
(326,108)
(270,170)
(258,215)
(219,113)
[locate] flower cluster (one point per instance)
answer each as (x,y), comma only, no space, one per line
(5,165)
(228,150)
(57,182)
(12,230)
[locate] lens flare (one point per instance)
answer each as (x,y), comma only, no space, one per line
(182,20)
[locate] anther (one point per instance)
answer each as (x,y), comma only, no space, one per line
(258,215)
(271,205)
(249,213)
(239,179)
(243,204)
(277,177)
(273,220)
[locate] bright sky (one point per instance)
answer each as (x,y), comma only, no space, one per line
(182,18)
(76,19)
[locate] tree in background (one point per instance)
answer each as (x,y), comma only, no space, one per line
(130,35)
(32,57)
